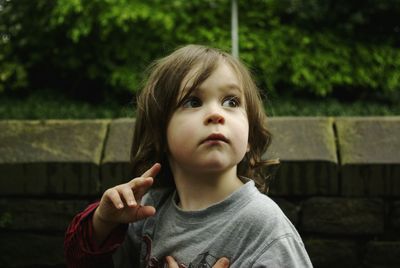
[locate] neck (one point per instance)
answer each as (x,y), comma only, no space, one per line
(200,190)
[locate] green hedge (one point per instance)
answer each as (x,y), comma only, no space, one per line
(100,48)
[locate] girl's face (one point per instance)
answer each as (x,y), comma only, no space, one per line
(208,132)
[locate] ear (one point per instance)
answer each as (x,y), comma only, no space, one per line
(248,148)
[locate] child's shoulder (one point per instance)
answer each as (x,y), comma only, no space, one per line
(263,211)
(262,219)
(262,205)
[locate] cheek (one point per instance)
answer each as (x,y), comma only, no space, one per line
(242,136)
(178,132)
(171,138)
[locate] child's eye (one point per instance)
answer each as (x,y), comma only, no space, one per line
(191,102)
(231,101)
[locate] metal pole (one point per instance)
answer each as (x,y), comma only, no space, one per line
(234,29)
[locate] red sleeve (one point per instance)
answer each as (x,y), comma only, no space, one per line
(81,250)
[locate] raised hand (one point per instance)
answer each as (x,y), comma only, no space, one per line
(121,204)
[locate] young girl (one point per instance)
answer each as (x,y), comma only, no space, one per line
(199,137)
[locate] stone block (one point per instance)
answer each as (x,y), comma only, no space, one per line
(369,149)
(31,250)
(290,209)
(326,253)
(382,254)
(38,214)
(343,216)
(395,217)
(307,151)
(51,157)
(116,168)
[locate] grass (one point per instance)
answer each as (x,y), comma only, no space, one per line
(48,106)
(41,106)
(328,107)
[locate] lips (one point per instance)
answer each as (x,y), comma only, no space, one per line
(216,137)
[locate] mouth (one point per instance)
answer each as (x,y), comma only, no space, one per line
(216,137)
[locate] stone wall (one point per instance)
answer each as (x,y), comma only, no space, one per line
(338,182)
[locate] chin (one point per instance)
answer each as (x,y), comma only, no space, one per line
(215,166)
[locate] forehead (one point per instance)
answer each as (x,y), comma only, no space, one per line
(223,76)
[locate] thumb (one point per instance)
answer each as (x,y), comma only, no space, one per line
(222,263)
(150,173)
(143,212)
(141,184)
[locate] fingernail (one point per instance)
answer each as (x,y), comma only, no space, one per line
(120,205)
(225,262)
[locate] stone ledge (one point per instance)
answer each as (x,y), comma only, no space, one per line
(65,156)
(51,157)
(369,150)
(307,151)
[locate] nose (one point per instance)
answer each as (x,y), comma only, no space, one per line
(214,116)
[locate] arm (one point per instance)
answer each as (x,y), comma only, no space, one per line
(96,233)
(80,247)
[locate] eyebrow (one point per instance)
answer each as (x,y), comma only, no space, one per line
(232,86)
(227,87)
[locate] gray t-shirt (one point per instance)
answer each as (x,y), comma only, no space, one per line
(247,227)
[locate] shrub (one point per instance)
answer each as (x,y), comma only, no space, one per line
(99,48)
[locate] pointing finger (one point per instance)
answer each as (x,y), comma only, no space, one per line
(141,186)
(143,181)
(153,171)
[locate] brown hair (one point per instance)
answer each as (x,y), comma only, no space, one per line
(158,101)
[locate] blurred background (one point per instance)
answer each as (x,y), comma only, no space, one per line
(86,59)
